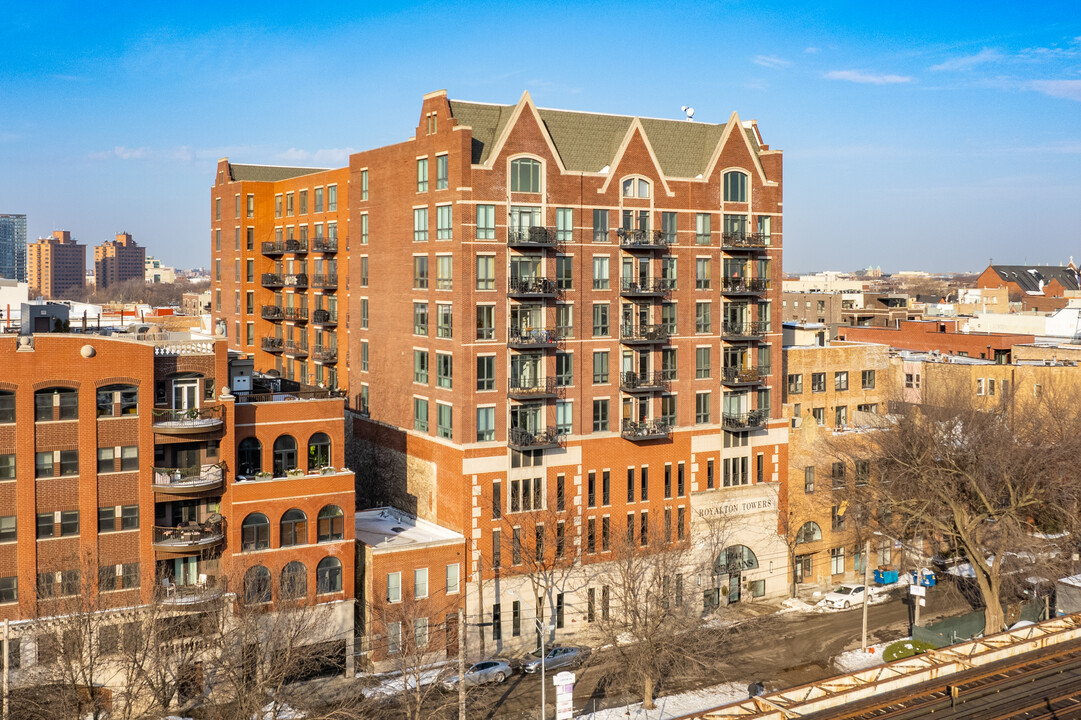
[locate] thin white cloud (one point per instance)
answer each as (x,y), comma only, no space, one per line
(1069,89)
(770,61)
(966,62)
(120,152)
(811,50)
(323,156)
(857,76)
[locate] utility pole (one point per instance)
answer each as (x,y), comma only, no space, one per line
(461,665)
(7,640)
(866,589)
(544,703)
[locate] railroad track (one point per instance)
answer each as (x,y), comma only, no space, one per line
(1038,686)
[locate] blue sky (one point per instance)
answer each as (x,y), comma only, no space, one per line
(926,137)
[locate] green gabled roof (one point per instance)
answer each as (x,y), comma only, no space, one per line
(267,173)
(586,142)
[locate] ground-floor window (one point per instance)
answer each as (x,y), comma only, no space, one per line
(837,561)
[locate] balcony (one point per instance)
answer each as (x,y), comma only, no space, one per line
(644,334)
(525,339)
(191,537)
(647,287)
(325,354)
(272,312)
(630,239)
(743,422)
(532,388)
(325,317)
(325,282)
(273,248)
(186,422)
(531,287)
(272,344)
(535,236)
(203,591)
(299,281)
(645,430)
(743,242)
(522,439)
(744,375)
(325,245)
(632,382)
(185,481)
(295,348)
(740,331)
(299,247)
(744,285)
(296,314)
(272,280)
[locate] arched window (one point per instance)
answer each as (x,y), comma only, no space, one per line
(809,532)
(318,451)
(257,585)
(636,188)
(285,455)
(525,175)
(7,406)
(735,187)
(328,575)
(294,581)
(255,533)
(734,559)
(294,528)
(56,404)
(117,400)
(249,456)
(331,524)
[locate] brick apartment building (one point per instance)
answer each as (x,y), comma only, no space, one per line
(1042,288)
(55,264)
(279,254)
(118,260)
(131,471)
(550,312)
(944,335)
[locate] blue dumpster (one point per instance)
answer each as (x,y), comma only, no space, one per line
(886,577)
(925,577)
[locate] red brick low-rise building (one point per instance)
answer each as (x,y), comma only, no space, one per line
(943,335)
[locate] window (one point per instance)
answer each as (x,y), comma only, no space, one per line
(840,380)
(7,467)
(636,188)
(444,272)
(837,561)
(600,367)
(868,408)
(420,272)
(702,228)
(486,372)
(420,583)
(525,175)
(564,369)
(709,474)
(112,401)
(363,184)
(735,187)
(444,226)
(394,637)
(485,272)
(285,455)
(809,479)
(837,518)
(7,528)
(420,318)
(452,578)
(485,322)
(669,368)
(444,370)
(56,404)
(485,222)
(294,528)
(444,421)
(867,379)
(818,382)
(129,517)
(600,320)
(485,424)
(420,414)
(565,321)
(841,415)
(422,175)
(600,273)
(420,366)
(516,547)
(420,224)
(702,402)
(819,415)
(703,322)
(808,532)
(331,524)
(701,273)
(444,326)
(702,362)
(600,415)
(441,172)
(294,581)
(328,575)
(795,384)
(46,525)
(394,587)
(255,532)
(257,585)
(564,272)
(564,225)
(564,417)
(600,226)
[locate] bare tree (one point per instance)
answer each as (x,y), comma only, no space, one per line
(991,481)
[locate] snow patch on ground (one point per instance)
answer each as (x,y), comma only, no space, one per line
(795,605)
(397,684)
(674,706)
(853,660)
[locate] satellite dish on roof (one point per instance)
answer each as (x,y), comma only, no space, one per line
(690,112)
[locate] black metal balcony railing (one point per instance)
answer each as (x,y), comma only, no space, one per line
(540,337)
(744,329)
(299,280)
(243,397)
(272,280)
(324,317)
(296,246)
(530,439)
(534,286)
(203,591)
(645,333)
(296,348)
(744,375)
(194,418)
(296,314)
(656,381)
(191,534)
(645,430)
(658,287)
(188,479)
(272,344)
(744,241)
(273,248)
(272,312)
(637,239)
(752,420)
(535,236)
(325,245)
(744,285)
(325,281)
(532,387)
(325,353)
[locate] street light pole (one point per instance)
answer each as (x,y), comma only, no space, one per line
(542,629)
(461,664)
(866,589)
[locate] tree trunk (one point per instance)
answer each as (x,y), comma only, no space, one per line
(990,584)
(647,692)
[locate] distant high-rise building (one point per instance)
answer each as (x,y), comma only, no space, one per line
(13,247)
(55,263)
(118,260)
